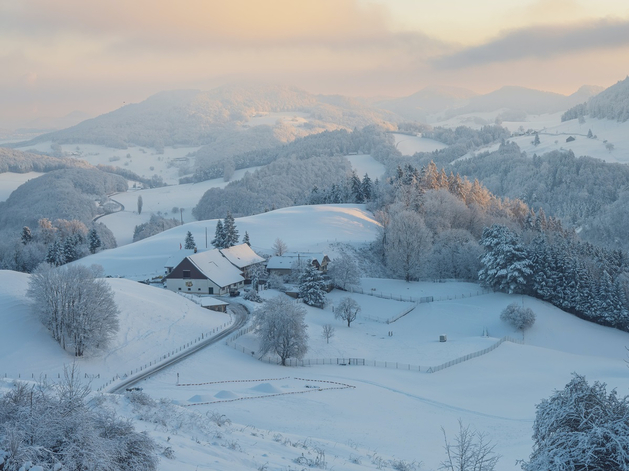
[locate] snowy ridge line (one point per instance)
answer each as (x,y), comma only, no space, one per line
(235,381)
(434,369)
(166,356)
(341,386)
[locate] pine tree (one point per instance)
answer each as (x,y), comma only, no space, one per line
(189,243)
(356,188)
(536,141)
(26,235)
(367,188)
(505,265)
(140,204)
(245,239)
(219,236)
(70,249)
(55,255)
(312,287)
(230,231)
(94,241)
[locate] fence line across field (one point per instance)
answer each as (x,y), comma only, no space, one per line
(364,362)
(414,299)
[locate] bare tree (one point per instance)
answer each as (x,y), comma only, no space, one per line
(407,240)
(281,325)
(75,305)
(347,310)
(328,332)
(471,451)
(279,247)
(343,271)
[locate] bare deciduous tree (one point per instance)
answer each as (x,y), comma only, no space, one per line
(347,310)
(281,325)
(328,332)
(279,247)
(470,451)
(343,271)
(75,305)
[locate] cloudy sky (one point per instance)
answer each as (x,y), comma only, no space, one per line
(94,55)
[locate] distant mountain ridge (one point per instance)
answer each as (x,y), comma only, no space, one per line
(195,117)
(428,101)
(611,103)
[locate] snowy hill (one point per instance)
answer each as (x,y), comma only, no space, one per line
(152,323)
(305,228)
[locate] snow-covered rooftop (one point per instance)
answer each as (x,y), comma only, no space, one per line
(216,267)
(207,301)
(242,256)
(286,261)
(176,258)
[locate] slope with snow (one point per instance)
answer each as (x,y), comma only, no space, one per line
(303,228)
(10,181)
(409,145)
(153,322)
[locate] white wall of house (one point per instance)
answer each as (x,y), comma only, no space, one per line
(200,286)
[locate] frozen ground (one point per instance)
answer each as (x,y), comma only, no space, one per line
(409,145)
(143,161)
(162,200)
(10,181)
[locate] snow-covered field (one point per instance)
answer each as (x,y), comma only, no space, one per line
(294,118)
(10,181)
(395,412)
(409,145)
(162,200)
(366,164)
(360,417)
(553,134)
(153,322)
(304,228)
(143,161)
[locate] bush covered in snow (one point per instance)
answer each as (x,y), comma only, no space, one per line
(519,317)
(54,428)
(580,428)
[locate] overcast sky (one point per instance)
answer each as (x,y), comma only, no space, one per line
(57,56)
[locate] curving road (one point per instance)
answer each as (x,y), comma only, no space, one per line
(241,313)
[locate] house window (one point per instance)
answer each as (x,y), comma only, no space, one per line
(189,289)
(210,290)
(179,289)
(199,289)
(186,273)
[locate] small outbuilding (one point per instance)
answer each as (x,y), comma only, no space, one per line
(284,264)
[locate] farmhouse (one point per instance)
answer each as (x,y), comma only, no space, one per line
(205,273)
(216,271)
(284,264)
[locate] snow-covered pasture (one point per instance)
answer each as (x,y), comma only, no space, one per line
(143,161)
(163,200)
(409,145)
(9,182)
(302,228)
(400,413)
(366,164)
(153,322)
(553,134)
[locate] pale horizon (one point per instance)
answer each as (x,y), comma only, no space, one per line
(94,57)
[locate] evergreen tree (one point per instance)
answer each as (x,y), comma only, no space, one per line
(230,232)
(26,235)
(189,243)
(356,188)
(55,255)
(536,141)
(505,265)
(140,204)
(367,188)
(219,236)
(245,239)
(312,287)
(94,240)
(71,249)
(590,135)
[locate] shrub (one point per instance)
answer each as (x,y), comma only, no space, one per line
(519,317)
